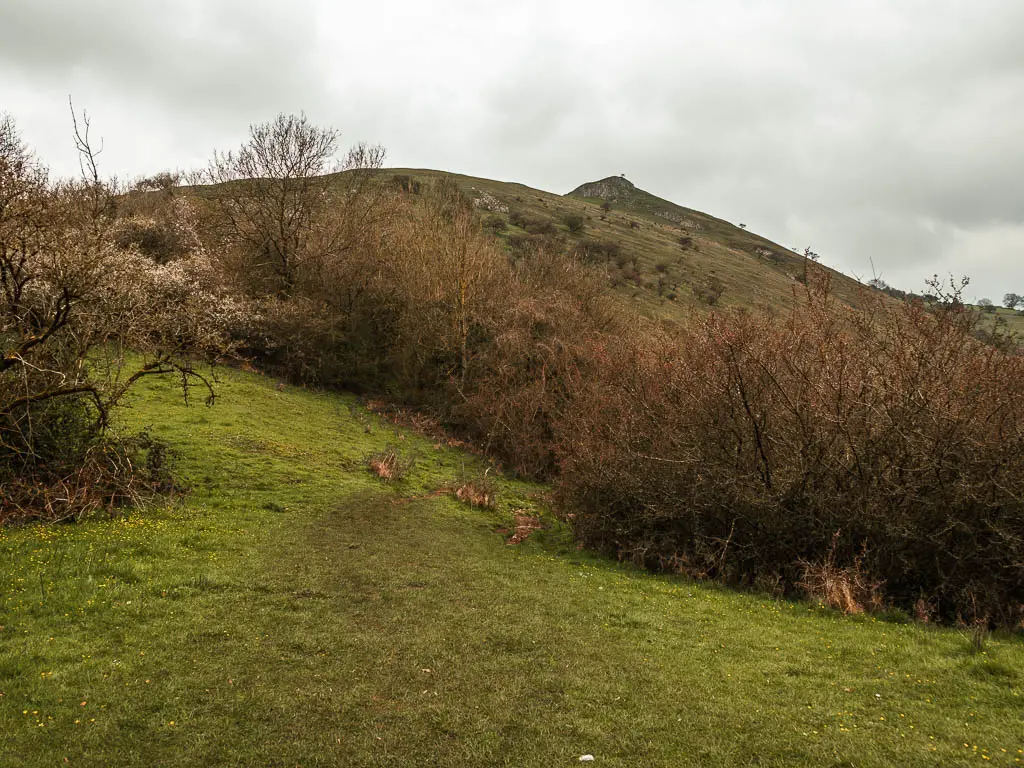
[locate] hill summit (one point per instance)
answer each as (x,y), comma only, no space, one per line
(610,189)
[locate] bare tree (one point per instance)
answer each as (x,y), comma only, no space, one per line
(272,195)
(457,258)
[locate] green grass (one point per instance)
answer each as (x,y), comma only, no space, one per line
(1011,321)
(296,610)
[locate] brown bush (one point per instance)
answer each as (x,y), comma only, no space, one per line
(403,182)
(106,476)
(597,251)
(537,338)
(433,314)
(481,492)
(845,588)
(575,222)
(710,290)
(389,464)
(273,215)
(738,446)
(733,448)
(156,221)
(495,223)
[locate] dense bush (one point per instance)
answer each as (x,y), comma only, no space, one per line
(597,251)
(405,183)
(495,223)
(160,225)
(575,222)
(748,448)
(532,224)
(429,310)
(709,290)
(525,244)
(531,359)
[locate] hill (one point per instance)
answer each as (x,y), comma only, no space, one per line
(669,260)
(294,609)
(1007,320)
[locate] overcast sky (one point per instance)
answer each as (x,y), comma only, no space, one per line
(870,130)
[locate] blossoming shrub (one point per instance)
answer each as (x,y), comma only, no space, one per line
(71,303)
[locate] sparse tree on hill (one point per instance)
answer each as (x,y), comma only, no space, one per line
(1013,300)
(575,222)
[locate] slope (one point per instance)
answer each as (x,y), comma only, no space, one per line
(293,609)
(667,259)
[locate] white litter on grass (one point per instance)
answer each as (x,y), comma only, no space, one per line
(586,758)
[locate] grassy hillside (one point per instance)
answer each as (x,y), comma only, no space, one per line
(294,609)
(1010,320)
(669,256)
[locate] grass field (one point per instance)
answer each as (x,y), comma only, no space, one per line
(1010,320)
(293,609)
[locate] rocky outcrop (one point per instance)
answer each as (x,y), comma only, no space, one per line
(611,189)
(676,218)
(488,202)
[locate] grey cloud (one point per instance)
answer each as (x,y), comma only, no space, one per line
(189,61)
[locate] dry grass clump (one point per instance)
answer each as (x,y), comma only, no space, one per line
(847,589)
(85,491)
(479,492)
(389,465)
(111,474)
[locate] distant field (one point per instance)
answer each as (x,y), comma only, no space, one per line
(294,609)
(1013,320)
